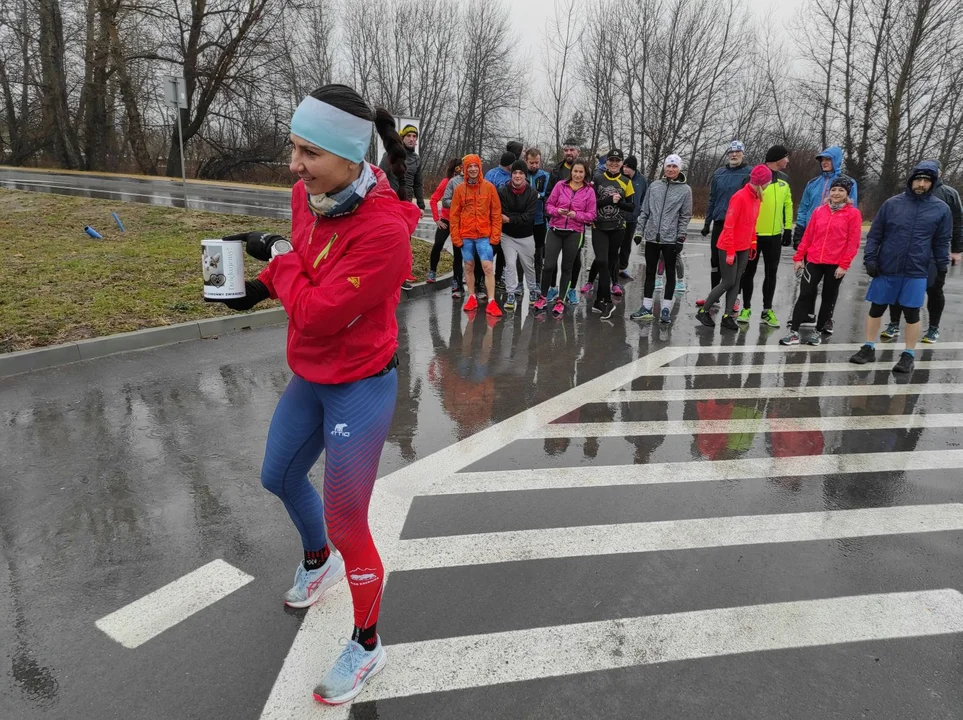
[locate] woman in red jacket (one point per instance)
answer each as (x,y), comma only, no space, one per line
(339,280)
(829,245)
(443,231)
(737,245)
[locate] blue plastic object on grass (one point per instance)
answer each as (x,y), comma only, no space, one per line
(119,223)
(93,233)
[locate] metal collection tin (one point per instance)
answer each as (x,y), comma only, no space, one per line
(222,262)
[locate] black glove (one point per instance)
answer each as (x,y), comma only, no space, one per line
(872,269)
(786,237)
(637,239)
(705,229)
(421,204)
(258,244)
(254,292)
(797,236)
(681,239)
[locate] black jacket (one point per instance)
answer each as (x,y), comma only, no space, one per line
(414,184)
(520,210)
(952,198)
(560,173)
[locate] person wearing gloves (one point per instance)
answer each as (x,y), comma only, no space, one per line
(935,297)
(639,186)
(476,227)
(737,244)
(816,191)
(663,222)
(910,232)
(828,247)
(773,232)
(570,207)
(441,216)
(725,182)
(519,201)
(339,280)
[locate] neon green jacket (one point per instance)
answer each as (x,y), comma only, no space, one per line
(775,213)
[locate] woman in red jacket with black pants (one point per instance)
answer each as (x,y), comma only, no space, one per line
(737,245)
(829,245)
(339,280)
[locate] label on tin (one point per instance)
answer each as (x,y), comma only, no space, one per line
(222,265)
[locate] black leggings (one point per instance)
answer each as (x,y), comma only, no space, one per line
(715,274)
(569,247)
(935,302)
(626,250)
(731,278)
(441,235)
(912,314)
(607,245)
(539,233)
(812,274)
(458,270)
(668,253)
(770,248)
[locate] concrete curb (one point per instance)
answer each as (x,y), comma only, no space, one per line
(23,361)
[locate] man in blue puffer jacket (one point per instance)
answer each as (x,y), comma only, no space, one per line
(817,190)
(910,232)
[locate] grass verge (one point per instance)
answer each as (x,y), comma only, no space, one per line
(59,285)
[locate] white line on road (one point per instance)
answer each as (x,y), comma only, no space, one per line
(592,540)
(747,426)
(519,655)
(750,368)
(143,619)
(781,393)
(695,471)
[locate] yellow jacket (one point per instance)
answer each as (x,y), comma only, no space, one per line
(775,214)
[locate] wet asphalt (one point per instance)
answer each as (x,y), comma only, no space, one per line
(121,475)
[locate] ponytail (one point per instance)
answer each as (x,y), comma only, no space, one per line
(397,154)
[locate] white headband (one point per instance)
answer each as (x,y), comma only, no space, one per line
(332,129)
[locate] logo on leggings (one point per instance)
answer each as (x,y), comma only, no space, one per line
(340,430)
(363,576)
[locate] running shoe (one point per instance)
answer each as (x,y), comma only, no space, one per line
(643,313)
(406,285)
(744,315)
(735,306)
(571,297)
(558,308)
(700,302)
(865,355)
(932,334)
(728,322)
(540,304)
(664,316)
(533,297)
(494,310)
(509,303)
(625,275)
(412,278)
(826,329)
(310,585)
(791,339)
(552,294)
(587,288)
(659,281)
(617,290)
(353,668)
(519,292)
(769,318)
(904,364)
(472,304)
(432,276)
(607,310)
(500,284)
(704,317)
(680,286)
(456,291)
(891,332)
(815,339)
(482,295)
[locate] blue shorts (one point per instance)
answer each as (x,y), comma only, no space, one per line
(481,247)
(897,290)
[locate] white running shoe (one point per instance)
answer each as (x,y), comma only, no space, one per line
(310,585)
(353,668)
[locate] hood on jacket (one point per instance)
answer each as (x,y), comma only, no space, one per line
(680,180)
(834,153)
(468,160)
(926,166)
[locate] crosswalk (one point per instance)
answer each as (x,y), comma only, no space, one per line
(525,645)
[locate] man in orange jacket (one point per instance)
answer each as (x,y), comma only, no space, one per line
(476,225)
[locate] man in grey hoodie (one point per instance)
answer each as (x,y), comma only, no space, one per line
(663,221)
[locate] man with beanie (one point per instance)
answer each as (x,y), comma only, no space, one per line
(736,243)
(500,175)
(816,191)
(910,232)
(773,232)
(538,179)
(935,298)
(725,182)
(411,186)
(515,147)
(631,170)
(519,202)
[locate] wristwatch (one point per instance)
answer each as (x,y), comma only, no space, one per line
(280,247)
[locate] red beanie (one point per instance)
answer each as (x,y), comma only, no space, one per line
(760,175)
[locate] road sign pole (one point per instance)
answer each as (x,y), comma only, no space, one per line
(175,96)
(180,139)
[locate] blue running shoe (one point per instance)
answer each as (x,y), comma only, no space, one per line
(643,313)
(571,297)
(552,294)
(664,317)
(310,585)
(533,296)
(353,668)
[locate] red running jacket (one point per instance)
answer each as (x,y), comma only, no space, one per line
(436,198)
(739,231)
(831,238)
(341,284)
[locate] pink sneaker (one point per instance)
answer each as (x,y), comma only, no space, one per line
(587,288)
(617,289)
(540,304)
(559,308)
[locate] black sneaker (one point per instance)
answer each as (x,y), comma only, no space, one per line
(826,329)
(704,317)
(729,323)
(904,364)
(865,355)
(405,285)
(607,309)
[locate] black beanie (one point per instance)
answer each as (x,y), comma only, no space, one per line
(776,153)
(843,181)
(514,147)
(632,162)
(520,165)
(507,158)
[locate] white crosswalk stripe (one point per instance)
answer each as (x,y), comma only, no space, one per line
(430,666)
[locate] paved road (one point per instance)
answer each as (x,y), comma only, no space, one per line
(581,519)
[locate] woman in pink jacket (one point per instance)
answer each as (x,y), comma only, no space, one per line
(829,245)
(570,207)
